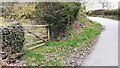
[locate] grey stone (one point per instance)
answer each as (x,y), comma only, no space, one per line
(12,39)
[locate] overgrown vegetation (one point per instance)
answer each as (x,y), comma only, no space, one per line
(72,31)
(114,13)
(58,52)
(59,15)
(12,41)
(18,11)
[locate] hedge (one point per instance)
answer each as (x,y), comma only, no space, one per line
(112,12)
(59,15)
(107,12)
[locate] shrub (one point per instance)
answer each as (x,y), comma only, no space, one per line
(89,13)
(107,12)
(112,12)
(18,10)
(58,15)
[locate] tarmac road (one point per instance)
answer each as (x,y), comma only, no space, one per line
(105,52)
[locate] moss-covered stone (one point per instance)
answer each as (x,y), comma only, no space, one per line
(12,39)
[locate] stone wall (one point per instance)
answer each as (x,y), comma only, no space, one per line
(1,39)
(12,40)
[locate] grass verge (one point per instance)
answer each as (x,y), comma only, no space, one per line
(57,53)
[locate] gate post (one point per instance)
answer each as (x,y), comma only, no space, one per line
(48,31)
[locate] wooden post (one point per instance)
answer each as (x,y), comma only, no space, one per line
(48,32)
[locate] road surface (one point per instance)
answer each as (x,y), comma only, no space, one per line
(105,52)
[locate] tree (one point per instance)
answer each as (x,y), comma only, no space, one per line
(105,3)
(83,3)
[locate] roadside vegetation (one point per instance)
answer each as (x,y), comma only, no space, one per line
(112,14)
(70,31)
(58,52)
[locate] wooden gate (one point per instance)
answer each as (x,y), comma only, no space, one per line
(35,34)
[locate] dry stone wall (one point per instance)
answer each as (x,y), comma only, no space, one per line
(12,40)
(1,39)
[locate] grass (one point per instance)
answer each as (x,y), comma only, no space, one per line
(49,56)
(112,17)
(34,56)
(36,43)
(87,34)
(4,22)
(56,53)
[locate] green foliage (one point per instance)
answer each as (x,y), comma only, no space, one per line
(58,51)
(12,38)
(59,15)
(38,56)
(38,43)
(95,12)
(89,13)
(107,12)
(18,10)
(112,12)
(87,35)
(14,32)
(32,54)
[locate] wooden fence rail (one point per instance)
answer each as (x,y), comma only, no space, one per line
(40,32)
(29,27)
